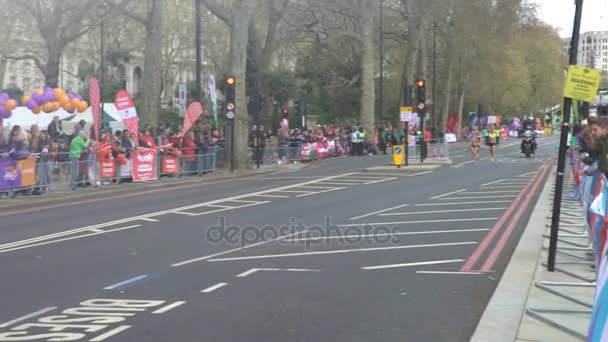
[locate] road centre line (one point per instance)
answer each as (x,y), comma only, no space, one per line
(126,282)
(491,192)
(28,316)
(17,246)
(420,173)
(476,197)
(442,211)
(148,219)
(459,203)
(494,182)
(342,251)
(214,287)
(335,237)
(424,263)
(412,222)
(448,194)
(168,308)
(110,333)
(187,262)
(379,211)
(220,210)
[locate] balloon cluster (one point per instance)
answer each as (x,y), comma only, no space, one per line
(48,100)
(6,106)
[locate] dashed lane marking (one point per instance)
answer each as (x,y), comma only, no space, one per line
(423,263)
(431,232)
(442,211)
(214,287)
(458,203)
(416,222)
(379,212)
(448,194)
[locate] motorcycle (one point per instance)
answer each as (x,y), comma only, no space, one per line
(527,146)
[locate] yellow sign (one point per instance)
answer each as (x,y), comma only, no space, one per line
(399,155)
(582,83)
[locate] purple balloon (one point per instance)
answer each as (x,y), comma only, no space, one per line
(47,89)
(48,96)
(37,98)
(5,113)
(79,97)
(71,96)
(72,111)
(31,104)
(3,97)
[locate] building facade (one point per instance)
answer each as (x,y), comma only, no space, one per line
(592,49)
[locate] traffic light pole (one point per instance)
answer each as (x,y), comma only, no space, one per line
(561,161)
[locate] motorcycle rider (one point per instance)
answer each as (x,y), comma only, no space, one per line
(529,136)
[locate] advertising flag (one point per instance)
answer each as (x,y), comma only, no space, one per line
(126,109)
(94,97)
(213,97)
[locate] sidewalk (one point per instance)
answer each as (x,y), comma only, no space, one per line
(530,303)
(93,194)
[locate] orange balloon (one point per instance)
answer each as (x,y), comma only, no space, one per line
(25,99)
(58,92)
(56,106)
(68,107)
(82,107)
(36,110)
(63,100)
(75,102)
(10,105)
(47,107)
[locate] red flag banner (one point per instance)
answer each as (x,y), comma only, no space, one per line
(195,110)
(94,97)
(452,126)
(126,108)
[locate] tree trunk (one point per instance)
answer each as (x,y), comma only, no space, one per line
(448,95)
(153,62)
(238,65)
(3,65)
(51,70)
(461,107)
(368,94)
(423,57)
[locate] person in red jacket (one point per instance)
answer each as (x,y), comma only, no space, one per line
(189,147)
(147,140)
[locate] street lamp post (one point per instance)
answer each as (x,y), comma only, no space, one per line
(381,88)
(434,70)
(198,43)
(102,63)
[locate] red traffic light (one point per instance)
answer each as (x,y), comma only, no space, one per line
(231,81)
(420,83)
(285,111)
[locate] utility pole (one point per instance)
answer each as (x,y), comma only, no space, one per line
(381,90)
(199,31)
(563,141)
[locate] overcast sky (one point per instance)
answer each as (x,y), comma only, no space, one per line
(560,14)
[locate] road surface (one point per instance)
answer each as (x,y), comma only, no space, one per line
(330,253)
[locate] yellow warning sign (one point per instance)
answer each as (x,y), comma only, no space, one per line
(398,155)
(582,83)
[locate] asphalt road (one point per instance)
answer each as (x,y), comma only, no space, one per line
(330,253)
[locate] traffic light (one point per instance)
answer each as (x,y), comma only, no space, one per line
(421,92)
(285,113)
(230,95)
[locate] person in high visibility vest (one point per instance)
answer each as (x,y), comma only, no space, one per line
(360,140)
(492,140)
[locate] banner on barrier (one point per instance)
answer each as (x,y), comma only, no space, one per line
(28,172)
(170,165)
(17,174)
(143,164)
(107,168)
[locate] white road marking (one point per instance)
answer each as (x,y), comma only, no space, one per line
(424,263)
(458,156)
(146,219)
(527,174)
(420,173)
(503,187)
(477,197)
(381,174)
(319,192)
(448,272)
(458,203)
(251,204)
(442,211)
(412,222)
(379,211)
(168,308)
(338,183)
(318,187)
(364,180)
(491,192)
(219,206)
(494,182)
(295,191)
(382,180)
(126,282)
(273,196)
(28,316)
(456,166)
(96,230)
(186,262)
(214,287)
(17,245)
(448,194)
(342,251)
(111,333)
(254,270)
(335,237)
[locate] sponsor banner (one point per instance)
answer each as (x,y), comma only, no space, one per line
(10,175)
(126,108)
(107,168)
(170,165)
(28,172)
(143,164)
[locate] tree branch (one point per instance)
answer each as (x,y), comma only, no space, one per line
(220,11)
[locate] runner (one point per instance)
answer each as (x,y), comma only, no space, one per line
(492,140)
(475,144)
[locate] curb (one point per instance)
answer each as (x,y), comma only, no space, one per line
(503,314)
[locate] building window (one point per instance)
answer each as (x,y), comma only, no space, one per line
(27,83)
(13,82)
